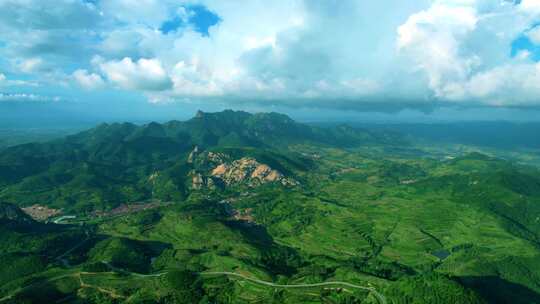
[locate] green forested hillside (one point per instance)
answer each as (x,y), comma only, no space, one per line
(234,207)
(111,164)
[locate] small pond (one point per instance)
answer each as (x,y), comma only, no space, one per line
(441,253)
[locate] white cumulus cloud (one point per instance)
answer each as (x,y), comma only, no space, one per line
(144,74)
(534,35)
(31,65)
(88,80)
(463,47)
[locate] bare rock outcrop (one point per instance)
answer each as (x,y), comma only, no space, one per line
(213,170)
(250,171)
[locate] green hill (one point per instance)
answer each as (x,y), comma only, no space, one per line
(112,163)
(165,212)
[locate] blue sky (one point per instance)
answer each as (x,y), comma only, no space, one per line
(525,44)
(198,16)
(150,59)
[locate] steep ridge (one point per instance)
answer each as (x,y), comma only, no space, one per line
(111,164)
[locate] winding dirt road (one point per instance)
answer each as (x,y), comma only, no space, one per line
(380,298)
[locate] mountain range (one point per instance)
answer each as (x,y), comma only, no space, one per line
(112,163)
